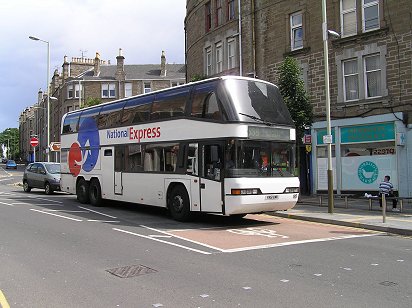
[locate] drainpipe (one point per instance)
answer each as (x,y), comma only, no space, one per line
(253,7)
(240,39)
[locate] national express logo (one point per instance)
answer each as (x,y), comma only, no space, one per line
(80,157)
(368,172)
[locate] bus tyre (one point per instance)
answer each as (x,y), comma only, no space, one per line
(179,206)
(95,193)
(82,191)
(26,187)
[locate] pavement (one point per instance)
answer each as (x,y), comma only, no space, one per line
(357,214)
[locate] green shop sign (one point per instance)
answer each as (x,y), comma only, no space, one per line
(368,133)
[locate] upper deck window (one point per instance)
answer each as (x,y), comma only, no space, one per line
(92,113)
(110,115)
(137,110)
(259,100)
(70,123)
(205,102)
(170,104)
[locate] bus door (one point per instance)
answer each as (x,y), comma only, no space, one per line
(118,169)
(210,168)
(107,165)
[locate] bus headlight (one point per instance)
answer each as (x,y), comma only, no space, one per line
(246,191)
(290,190)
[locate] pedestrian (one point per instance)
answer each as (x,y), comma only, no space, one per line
(386,188)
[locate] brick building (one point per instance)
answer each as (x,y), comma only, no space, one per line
(83,80)
(370,75)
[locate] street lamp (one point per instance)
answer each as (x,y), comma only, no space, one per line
(47,92)
(326,33)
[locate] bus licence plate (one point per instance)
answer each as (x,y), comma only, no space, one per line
(271,197)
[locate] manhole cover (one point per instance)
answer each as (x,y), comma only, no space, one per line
(131,271)
(388,283)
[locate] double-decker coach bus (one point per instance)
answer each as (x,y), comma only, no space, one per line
(223,145)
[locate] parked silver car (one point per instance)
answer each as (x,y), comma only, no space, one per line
(42,175)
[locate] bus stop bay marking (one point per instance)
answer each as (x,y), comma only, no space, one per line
(258,232)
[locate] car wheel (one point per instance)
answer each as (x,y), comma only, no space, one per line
(178,204)
(82,191)
(26,187)
(95,193)
(47,189)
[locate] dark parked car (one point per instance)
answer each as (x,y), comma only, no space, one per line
(42,175)
(11,164)
(4,160)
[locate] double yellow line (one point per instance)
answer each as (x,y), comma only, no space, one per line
(3,301)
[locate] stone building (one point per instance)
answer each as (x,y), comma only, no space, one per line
(370,75)
(84,81)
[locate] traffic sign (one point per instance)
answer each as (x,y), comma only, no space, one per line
(34,142)
(307,139)
(55,146)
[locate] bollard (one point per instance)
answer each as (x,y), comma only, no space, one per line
(383,208)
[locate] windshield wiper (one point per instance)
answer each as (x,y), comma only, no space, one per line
(257,119)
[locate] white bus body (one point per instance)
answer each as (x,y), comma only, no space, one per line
(179,162)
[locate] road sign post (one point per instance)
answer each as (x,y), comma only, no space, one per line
(34,142)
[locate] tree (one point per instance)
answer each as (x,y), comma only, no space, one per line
(292,88)
(197,77)
(92,101)
(9,139)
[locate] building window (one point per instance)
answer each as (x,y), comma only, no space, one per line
(77,90)
(351,79)
(128,89)
(70,91)
(230,9)
(219,57)
(147,88)
(176,83)
(370,15)
(348,17)
(231,53)
(219,12)
(296,31)
(208,61)
(108,90)
(372,76)
(69,108)
(208,16)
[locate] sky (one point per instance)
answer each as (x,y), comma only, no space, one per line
(142,28)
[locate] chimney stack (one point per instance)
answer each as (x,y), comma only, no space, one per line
(163,64)
(39,96)
(65,69)
(96,70)
(120,73)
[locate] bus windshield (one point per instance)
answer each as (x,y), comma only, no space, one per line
(257,101)
(258,159)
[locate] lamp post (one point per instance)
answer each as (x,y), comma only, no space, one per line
(327,94)
(47,92)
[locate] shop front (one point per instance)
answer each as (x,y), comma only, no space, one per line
(364,150)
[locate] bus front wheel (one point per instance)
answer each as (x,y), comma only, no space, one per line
(95,193)
(179,206)
(82,191)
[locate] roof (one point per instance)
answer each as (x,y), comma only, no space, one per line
(139,71)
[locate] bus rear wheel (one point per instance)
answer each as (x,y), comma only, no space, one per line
(82,191)
(95,193)
(178,204)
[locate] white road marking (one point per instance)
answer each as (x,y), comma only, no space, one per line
(296,243)
(161,241)
(61,216)
(262,246)
(97,212)
(183,238)
(9,204)
(54,201)
(108,221)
